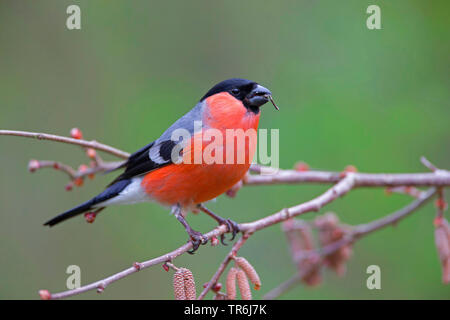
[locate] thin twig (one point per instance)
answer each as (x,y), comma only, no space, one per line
(394,218)
(410,191)
(74,174)
(89,144)
(338,190)
(358,232)
(428,164)
(224,265)
(71,172)
(283,287)
(438,178)
(159,260)
(362,230)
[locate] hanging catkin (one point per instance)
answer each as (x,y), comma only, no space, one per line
(249,271)
(184,285)
(178,285)
(244,287)
(231,283)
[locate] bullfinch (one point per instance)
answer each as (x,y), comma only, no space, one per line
(168,169)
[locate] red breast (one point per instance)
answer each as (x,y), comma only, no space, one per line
(192,183)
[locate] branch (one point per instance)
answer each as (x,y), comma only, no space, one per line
(283,287)
(313,205)
(76,176)
(224,264)
(88,144)
(411,191)
(357,233)
(362,230)
(341,188)
(343,182)
(428,164)
(168,257)
(394,218)
(71,172)
(338,190)
(437,178)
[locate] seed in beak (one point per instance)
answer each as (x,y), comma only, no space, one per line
(271,100)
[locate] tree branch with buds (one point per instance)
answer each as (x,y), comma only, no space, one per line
(333,236)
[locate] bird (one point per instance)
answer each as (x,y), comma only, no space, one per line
(166,170)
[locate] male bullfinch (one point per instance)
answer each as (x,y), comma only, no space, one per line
(155,172)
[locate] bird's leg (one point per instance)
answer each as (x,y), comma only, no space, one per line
(197,238)
(233,227)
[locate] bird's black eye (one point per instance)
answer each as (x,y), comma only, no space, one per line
(235,91)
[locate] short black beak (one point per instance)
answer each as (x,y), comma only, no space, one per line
(259,96)
(260,91)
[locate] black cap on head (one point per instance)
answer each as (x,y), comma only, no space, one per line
(249,92)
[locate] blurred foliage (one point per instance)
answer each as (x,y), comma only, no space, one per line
(348,95)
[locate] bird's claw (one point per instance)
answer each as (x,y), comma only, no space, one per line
(233,227)
(197,239)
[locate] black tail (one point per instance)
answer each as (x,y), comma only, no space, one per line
(71,213)
(109,193)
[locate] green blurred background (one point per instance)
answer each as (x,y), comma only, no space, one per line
(348,95)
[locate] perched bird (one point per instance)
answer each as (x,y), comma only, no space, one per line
(167,170)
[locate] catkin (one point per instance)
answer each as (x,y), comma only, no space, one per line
(244,287)
(442,238)
(231,283)
(249,271)
(330,231)
(178,285)
(300,238)
(189,284)
(184,285)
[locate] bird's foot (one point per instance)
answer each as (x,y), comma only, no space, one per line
(197,239)
(233,228)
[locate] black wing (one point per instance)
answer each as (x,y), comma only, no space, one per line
(140,162)
(159,153)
